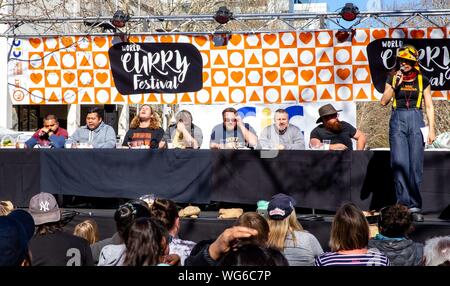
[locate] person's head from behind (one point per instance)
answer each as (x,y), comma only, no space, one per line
(281,119)
(258,222)
(229,118)
(88,230)
(94,118)
(146,243)
(185,117)
(282,219)
(436,251)
(254,255)
(167,212)
(349,230)
(6,207)
(16,230)
(46,213)
(51,122)
(395,221)
(126,214)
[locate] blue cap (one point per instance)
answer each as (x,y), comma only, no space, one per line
(16,229)
(280,206)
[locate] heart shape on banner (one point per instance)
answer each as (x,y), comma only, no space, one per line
(36,77)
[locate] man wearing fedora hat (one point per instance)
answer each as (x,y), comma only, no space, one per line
(338,132)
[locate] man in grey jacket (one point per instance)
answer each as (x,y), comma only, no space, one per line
(282,135)
(95,132)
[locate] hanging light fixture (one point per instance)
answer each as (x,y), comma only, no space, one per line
(119,19)
(223,15)
(349,12)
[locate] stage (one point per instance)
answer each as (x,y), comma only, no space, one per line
(316,179)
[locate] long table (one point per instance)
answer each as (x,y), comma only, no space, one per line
(316,179)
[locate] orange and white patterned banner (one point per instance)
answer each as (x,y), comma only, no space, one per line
(268,68)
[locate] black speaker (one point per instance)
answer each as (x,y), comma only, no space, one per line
(445,214)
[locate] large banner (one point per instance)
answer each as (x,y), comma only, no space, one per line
(258,68)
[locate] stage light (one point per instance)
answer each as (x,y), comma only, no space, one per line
(221,39)
(349,12)
(223,15)
(120,19)
(344,35)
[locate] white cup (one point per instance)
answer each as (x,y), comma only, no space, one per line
(326,144)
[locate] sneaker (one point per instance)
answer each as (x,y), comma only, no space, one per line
(417,217)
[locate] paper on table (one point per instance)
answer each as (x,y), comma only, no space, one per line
(425,131)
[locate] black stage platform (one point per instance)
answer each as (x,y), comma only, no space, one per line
(316,179)
(207,226)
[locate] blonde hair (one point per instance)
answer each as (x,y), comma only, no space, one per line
(6,207)
(279,230)
(88,230)
(155,120)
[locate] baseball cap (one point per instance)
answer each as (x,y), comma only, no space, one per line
(16,229)
(44,208)
(280,206)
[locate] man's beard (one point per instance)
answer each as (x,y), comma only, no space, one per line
(335,127)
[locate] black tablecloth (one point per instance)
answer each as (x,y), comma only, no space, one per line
(316,179)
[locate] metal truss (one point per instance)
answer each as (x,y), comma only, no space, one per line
(205,24)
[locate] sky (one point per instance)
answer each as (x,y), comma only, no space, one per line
(334,5)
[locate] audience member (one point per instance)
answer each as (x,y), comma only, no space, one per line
(339,132)
(349,241)
(16,230)
(6,207)
(50,135)
(145,129)
(167,212)
(250,228)
(184,133)
(287,235)
(395,223)
(113,251)
(233,132)
(437,251)
(254,255)
(282,135)
(96,132)
(88,230)
(51,246)
(258,222)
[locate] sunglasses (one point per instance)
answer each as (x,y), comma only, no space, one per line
(229,120)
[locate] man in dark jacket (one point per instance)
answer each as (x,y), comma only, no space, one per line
(394,225)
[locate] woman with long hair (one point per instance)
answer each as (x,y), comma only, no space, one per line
(349,241)
(147,243)
(406,88)
(167,212)
(145,129)
(287,235)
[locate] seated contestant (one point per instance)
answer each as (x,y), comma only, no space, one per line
(51,134)
(339,132)
(282,135)
(95,132)
(232,132)
(184,133)
(145,129)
